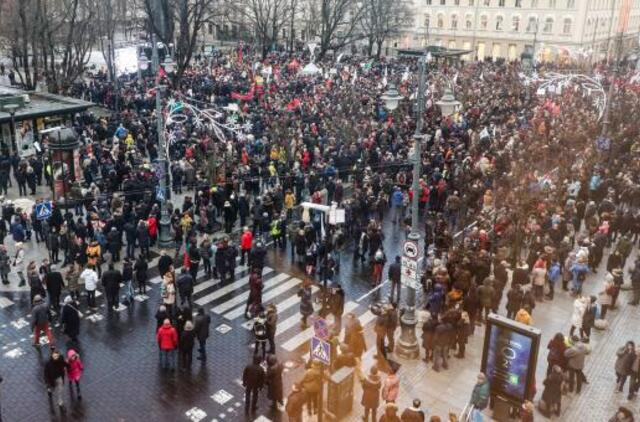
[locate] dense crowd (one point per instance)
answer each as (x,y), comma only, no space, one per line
(513,195)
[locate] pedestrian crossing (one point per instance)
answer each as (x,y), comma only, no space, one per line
(242,297)
(304,336)
(229,302)
(228,288)
(289,284)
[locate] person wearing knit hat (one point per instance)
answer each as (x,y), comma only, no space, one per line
(40,320)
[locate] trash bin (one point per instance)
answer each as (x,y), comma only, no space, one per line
(340,393)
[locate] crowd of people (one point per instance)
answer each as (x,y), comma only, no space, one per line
(546,203)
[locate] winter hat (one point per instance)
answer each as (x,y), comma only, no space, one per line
(37,299)
(68,300)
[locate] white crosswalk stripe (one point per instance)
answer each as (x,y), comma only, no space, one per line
(285,324)
(228,288)
(242,297)
(267,296)
(239,268)
(299,339)
(204,285)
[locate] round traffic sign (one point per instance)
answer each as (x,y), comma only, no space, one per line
(410,249)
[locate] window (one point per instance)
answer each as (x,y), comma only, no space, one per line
(548,26)
(518,3)
(440,21)
(534,3)
(532,25)
(443,2)
(468,23)
(571,4)
(487,2)
(484,22)
(456,2)
(501,3)
(210,28)
(471,3)
(499,23)
(454,21)
(566,26)
(428,2)
(427,21)
(515,23)
(552,4)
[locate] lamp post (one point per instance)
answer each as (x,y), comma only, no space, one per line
(143,65)
(164,240)
(408,343)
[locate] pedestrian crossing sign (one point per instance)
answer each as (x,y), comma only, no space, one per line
(43,210)
(160,193)
(320,350)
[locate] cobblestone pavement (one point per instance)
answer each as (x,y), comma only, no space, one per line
(123,381)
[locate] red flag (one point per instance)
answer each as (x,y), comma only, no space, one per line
(293,104)
(161,73)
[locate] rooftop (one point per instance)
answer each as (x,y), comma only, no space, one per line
(40,104)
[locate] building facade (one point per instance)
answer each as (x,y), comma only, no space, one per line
(582,29)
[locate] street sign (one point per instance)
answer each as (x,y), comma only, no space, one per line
(320,350)
(159,193)
(409,263)
(410,249)
(43,210)
(409,282)
(321,329)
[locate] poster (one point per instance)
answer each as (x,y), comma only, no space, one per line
(509,357)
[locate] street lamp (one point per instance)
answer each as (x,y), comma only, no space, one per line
(448,103)
(169,65)
(164,240)
(143,65)
(391,98)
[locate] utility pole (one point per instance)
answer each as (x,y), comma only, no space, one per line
(407,346)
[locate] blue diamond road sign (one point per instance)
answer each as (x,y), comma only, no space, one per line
(159,193)
(320,350)
(43,210)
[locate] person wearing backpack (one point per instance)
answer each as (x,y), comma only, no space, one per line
(379,260)
(260,334)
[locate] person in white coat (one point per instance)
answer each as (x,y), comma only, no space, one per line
(18,263)
(579,307)
(90,278)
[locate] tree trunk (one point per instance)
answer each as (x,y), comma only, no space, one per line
(379,45)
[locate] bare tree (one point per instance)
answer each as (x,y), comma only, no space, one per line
(266,18)
(339,21)
(49,38)
(190,16)
(381,20)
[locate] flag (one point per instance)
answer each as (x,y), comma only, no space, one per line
(384,79)
(293,104)
(405,75)
(161,74)
(355,77)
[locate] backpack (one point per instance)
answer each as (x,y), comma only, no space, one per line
(259,330)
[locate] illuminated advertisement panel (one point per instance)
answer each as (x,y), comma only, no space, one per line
(509,357)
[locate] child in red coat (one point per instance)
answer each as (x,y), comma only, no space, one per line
(74,371)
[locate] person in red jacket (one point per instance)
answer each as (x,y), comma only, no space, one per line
(152,227)
(246,243)
(167,337)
